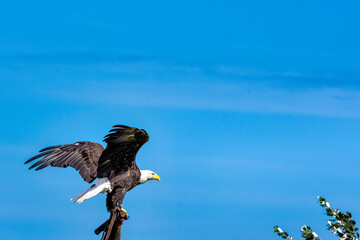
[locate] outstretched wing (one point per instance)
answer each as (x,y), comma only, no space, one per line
(83,156)
(123,143)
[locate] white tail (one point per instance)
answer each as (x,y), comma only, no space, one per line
(101,186)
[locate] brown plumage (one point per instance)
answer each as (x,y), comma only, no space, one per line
(83,156)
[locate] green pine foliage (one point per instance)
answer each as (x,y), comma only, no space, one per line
(340,224)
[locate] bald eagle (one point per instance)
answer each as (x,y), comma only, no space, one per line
(114,167)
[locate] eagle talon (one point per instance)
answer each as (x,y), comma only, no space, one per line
(118,209)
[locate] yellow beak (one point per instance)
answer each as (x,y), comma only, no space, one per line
(157,178)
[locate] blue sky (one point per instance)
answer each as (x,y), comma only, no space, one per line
(252,107)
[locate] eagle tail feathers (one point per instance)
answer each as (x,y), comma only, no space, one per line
(101,186)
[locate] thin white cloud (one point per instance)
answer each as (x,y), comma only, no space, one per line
(192,87)
(217,95)
(246,71)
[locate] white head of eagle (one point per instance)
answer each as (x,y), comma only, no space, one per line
(147,175)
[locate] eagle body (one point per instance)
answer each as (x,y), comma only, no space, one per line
(121,184)
(115,166)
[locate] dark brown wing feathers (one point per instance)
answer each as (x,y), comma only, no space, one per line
(123,143)
(83,156)
(90,159)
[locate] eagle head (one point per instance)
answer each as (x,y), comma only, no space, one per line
(147,175)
